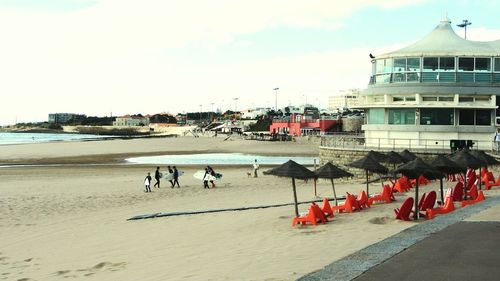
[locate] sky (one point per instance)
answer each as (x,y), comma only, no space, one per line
(117,57)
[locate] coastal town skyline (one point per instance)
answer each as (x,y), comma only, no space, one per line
(119,57)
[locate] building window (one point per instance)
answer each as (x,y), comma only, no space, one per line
(376,116)
(482,99)
(429,98)
(399,116)
(466,117)
(430,64)
(465,99)
(384,66)
(465,64)
(413,64)
(410,98)
(497,64)
(396,99)
(483,117)
(436,116)
(483,64)
(447,63)
(446,99)
(399,65)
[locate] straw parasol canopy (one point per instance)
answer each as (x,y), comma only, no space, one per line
(330,171)
(446,166)
(487,159)
(413,170)
(464,158)
(369,164)
(380,157)
(393,158)
(406,154)
(292,169)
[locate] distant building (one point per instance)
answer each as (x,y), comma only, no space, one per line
(254,113)
(64,118)
(128,120)
(300,124)
(345,98)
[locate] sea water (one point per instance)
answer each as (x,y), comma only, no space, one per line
(220,159)
(18,138)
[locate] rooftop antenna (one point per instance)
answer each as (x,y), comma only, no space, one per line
(464,24)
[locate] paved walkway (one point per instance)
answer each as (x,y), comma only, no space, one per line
(445,248)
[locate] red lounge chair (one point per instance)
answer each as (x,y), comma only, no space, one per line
(428,202)
(472,193)
(349,205)
(319,213)
(362,200)
(479,198)
(458,192)
(489,185)
(310,217)
(446,208)
(404,212)
(327,208)
(487,178)
(385,196)
(401,186)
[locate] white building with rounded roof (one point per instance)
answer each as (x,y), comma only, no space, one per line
(438,89)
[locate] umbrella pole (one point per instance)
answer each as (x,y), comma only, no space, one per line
(480,178)
(441,187)
(315,193)
(334,193)
(367,188)
(295,198)
(416,201)
(465,185)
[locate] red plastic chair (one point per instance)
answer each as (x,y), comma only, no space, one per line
(386,196)
(362,200)
(326,208)
(428,202)
(458,192)
(472,193)
(310,217)
(479,198)
(404,212)
(490,185)
(319,213)
(348,206)
(446,208)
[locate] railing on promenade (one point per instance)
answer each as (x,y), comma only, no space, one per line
(359,142)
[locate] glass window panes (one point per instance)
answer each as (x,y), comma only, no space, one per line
(399,65)
(466,117)
(398,99)
(401,116)
(483,64)
(429,98)
(410,98)
(497,64)
(384,66)
(436,116)
(447,63)
(482,98)
(376,116)
(446,98)
(483,117)
(465,64)
(413,64)
(430,64)
(465,99)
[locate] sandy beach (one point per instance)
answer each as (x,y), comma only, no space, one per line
(70,221)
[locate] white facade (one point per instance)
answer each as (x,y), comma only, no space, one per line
(345,99)
(131,121)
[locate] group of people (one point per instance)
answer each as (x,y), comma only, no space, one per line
(209,177)
(158,175)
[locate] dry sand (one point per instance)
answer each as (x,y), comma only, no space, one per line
(70,221)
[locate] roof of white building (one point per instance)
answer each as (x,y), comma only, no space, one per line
(443,41)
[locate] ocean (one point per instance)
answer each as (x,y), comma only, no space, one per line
(19,138)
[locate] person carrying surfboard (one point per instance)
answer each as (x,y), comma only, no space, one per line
(170,171)
(206,178)
(212,173)
(157,177)
(147,183)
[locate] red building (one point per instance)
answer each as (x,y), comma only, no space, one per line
(299,124)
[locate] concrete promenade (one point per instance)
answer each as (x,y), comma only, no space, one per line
(462,245)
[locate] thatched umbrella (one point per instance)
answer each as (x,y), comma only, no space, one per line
(369,164)
(465,159)
(445,165)
(413,170)
(329,171)
(380,157)
(292,169)
(485,158)
(406,154)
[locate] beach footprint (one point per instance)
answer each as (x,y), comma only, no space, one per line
(380,220)
(85,272)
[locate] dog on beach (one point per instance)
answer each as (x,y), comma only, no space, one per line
(249,174)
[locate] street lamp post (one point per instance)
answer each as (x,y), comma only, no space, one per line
(464,24)
(201,106)
(276,99)
(235,104)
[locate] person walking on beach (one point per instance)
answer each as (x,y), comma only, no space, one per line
(157,177)
(176,177)
(255,168)
(205,179)
(147,182)
(170,171)
(497,140)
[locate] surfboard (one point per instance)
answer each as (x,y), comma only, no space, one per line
(170,176)
(201,173)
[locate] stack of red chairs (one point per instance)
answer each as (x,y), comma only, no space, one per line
(386,196)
